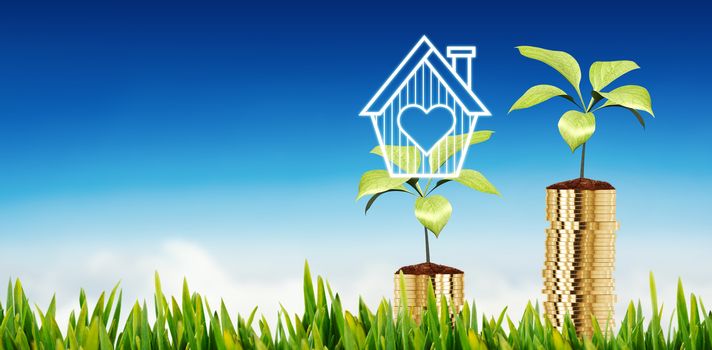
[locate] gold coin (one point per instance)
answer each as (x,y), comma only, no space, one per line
(580,216)
(600,200)
(573,275)
(434,278)
(558,209)
(583,196)
(418,302)
(580,283)
(564,278)
(578,266)
(425,289)
(577,278)
(580,288)
(580,249)
(424,303)
(574,242)
(581,231)
(581,305)
(580,246)
(562,272)
(580,208)
(566,287)
(559,258)
(576,286)
(582,262)
(610,226)
(584,248)
(423,293)
(577,271)
(564,217)
(579,202)
(584,205)
(425,282)
(582,318)
(608,298)
(583,254)
(578,257)
(449,298)
(579,315)
(589,292)
(573,238)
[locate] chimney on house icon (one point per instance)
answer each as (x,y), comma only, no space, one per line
(465,55)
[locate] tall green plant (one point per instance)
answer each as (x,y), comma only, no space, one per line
(577,126)
(433,211)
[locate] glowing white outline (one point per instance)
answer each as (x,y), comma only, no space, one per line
(412,139)
(467,85)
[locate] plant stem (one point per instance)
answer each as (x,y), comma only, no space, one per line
(427,246)
(583,158)
(427,186)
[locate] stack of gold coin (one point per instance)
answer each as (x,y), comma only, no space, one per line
(580,257)
(451,286)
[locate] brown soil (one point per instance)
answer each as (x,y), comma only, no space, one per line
(581,184)
(428,269)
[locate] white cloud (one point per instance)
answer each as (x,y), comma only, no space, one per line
(267,274)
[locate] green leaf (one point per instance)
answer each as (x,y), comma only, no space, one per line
(576,128)
(631,96)
(563,62)
(441,154)
(538,94)
(476,181)
(433,212)
(472,179)
(603,73)
(637,114)
(376,181)
(405,157)
(375,196)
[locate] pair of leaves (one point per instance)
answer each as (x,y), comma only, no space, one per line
(408,158)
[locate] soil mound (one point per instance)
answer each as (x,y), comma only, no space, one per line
(581,184)
(428,269)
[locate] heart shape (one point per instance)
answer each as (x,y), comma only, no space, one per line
(425,128)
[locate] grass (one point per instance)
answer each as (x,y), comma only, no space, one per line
(190,323)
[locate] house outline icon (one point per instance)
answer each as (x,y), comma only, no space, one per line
(425,80)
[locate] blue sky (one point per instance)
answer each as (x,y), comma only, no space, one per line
(126,125)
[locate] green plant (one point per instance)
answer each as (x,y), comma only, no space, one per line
(189,323)
(577,126)
(432,211)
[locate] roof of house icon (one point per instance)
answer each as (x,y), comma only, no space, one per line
(424,53)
